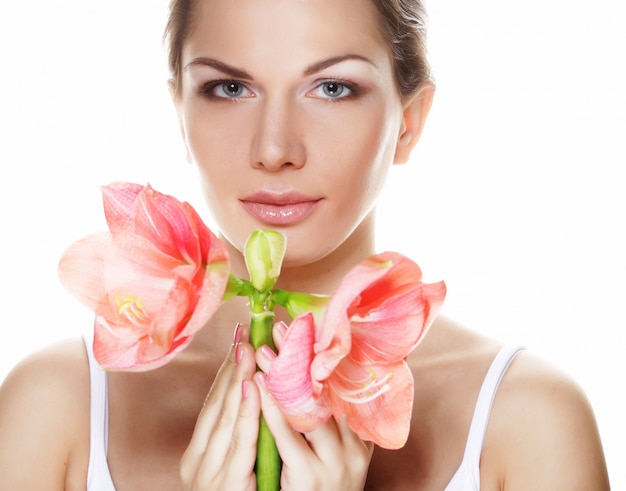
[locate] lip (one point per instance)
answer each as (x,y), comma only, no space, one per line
(279,209)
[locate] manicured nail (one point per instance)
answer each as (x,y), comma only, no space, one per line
(281,327)
(267,352)
(244,389)
(238,353)
(237,334)
(261,378)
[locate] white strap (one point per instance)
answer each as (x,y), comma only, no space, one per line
(468,473)
(98,476)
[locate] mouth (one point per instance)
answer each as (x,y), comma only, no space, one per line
(280,209)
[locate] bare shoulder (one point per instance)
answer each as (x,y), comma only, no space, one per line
(44,418)
(542,432)
(541,435)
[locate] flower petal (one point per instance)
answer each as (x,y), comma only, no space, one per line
(133,354)
(289,379)
(392,330)
(153,282)
(336,324)
(383,413)
(81,268)
(119,205)
(334,339)
(211,289)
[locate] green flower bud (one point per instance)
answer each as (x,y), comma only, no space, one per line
(264,252)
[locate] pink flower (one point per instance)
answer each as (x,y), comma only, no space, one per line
(153,281)
(354,365)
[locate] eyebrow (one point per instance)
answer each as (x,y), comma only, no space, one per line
(218,65)
(242,74)
(319,66)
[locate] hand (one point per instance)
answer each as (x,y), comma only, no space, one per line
(222,450)
(330,457)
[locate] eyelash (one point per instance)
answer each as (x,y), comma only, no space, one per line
(354,89)
(208,89)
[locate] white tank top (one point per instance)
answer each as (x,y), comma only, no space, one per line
(466,478)
(98,475)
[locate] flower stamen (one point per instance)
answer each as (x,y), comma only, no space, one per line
(367,390)
(131,307)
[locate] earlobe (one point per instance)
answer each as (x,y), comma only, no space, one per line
(413,119)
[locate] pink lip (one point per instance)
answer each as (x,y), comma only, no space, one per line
(279,209)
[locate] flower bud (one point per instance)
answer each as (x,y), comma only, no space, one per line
(264,252)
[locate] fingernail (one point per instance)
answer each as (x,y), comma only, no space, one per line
(244,389)
(267,352)
(282,328)
(261,378)
(237,334)
(238,353)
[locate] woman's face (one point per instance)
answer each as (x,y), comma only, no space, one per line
(289,109)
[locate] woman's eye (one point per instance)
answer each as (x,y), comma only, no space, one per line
(333,90)
(226,89)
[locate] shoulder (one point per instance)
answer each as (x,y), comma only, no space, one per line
(48,375)
(44,416)
(542,432)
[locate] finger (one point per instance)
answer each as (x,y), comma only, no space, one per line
(325,441)
(239,450)
(331,443)
(330,457)
(195,451)
(211,408)
(221,382)
(214,404)
(264,358)
(242,452)
(224,375)
(226,417)
(290,443)
(210,442)
(278,333)
(350,439)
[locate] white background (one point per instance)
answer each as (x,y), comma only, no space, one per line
(515,195)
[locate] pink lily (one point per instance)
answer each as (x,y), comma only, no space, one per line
(153,281)
(353,364)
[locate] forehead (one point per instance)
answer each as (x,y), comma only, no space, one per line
(281,32)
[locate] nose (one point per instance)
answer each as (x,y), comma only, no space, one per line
(277,144)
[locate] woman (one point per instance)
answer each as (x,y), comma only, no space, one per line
(294,113)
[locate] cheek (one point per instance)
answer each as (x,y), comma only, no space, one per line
(363,154)
(210,135)
(365,131)
(218,148)
(211,151)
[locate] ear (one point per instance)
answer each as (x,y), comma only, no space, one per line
(414,116)
(171,85)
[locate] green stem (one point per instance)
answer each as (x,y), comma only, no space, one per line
(268,464)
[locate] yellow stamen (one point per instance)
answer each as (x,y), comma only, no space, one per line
(131,307)
(368,390)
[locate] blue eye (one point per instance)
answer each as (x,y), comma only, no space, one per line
(231,89)
(225,89)
(333,89)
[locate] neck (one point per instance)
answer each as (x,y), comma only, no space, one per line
(322,277)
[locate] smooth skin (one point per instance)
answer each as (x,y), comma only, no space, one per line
(297,95)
